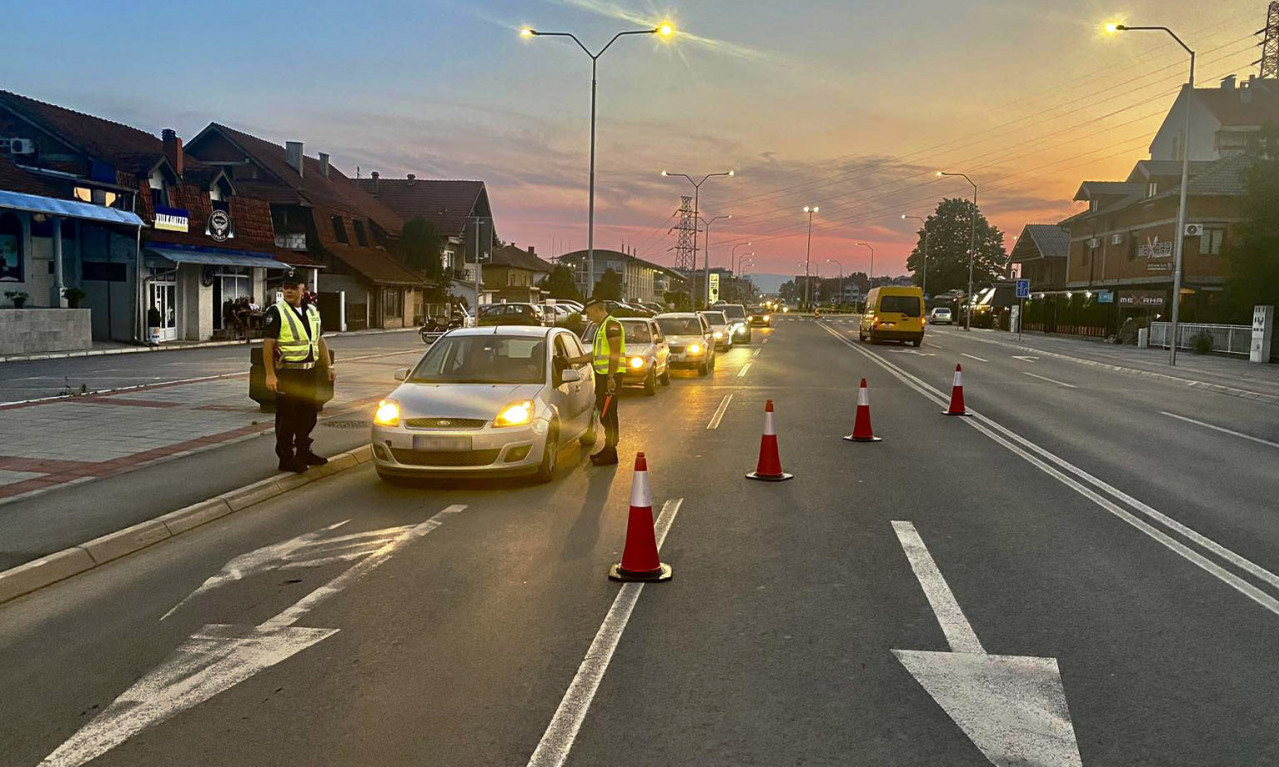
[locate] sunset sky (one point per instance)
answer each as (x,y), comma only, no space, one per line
(850,106)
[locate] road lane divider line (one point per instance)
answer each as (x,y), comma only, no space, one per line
(719,412)
(1032,453)
(742,373)
(959,632)
(561,733)
(1049,380)
(756,352)
(972,357)
(1221,429)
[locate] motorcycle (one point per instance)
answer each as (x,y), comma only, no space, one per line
(434,327)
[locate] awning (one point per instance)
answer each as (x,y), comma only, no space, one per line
(216,257)
(67,208)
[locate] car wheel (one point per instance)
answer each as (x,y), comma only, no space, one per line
(650,383)
(917,342)
(588,438)
(748,338)
(703,369)
(665,378)
(550,457)
(861,336)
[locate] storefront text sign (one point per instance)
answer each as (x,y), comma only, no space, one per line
(1263,324)
(171,219)
(1153,248)
(1142,298)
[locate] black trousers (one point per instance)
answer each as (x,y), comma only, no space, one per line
(608,415)
(295,411)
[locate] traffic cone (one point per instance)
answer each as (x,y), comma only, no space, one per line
(639,559)
(957,395)
(861,424)
(769,467)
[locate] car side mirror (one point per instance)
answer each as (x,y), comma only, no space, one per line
(570,375)
(402,374)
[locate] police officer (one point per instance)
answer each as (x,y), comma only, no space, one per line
(606,359)
(294,353)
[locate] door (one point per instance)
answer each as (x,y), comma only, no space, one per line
(163,296)
(661,351)
(583,391)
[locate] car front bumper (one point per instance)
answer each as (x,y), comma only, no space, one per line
(507,451)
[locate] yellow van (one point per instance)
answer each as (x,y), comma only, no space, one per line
(893,314)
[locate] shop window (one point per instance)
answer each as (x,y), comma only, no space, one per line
(232,292)
(10,248)
(392,302)
(360,237)
(339,230)
(1211,241)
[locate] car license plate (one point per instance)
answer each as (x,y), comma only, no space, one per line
(434,444)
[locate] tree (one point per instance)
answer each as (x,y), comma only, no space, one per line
(948,245)
(421,247)
(680,300)
(789,291)
(1253,250)
(609,287)
(560,283)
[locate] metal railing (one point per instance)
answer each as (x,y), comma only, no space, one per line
(1226,339)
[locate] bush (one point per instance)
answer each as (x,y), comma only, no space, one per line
(74,296)
(1202,343)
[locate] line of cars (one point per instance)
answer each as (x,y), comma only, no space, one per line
(503,399)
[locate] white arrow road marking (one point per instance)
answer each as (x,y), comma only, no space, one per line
(217,658)
(971,357)
(1012,708)
(1049,380)
(1026,358)
(1221,429)
(560,734)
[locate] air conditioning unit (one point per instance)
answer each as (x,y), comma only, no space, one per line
(1194,230)
(18,146)
(1116,239)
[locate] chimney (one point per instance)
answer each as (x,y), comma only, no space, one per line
(412,179)
(324,164)
(293,155)
(532,251)
(1228,82)
(173,150)
(376,184)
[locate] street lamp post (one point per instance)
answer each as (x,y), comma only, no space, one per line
(870,277)
(663,31)
(924,285)
(743,264)
(972,249)
(697,189)
(1179,237)
(841,277)
(808,255)
(733,258)
(706,254)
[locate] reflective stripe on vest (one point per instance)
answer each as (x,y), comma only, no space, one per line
(601,350)
(293,343)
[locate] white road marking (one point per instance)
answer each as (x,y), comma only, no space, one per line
(936,345)
(1049,380)
(560,734)
(972,357)
(756,352)
(1222,429)
(215,659)
(719,412)
(1025,358)
(742,373)
(1041,458)
(959,632)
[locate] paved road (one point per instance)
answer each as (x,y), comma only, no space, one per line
(901,603)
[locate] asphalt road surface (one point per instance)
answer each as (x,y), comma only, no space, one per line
(1077,574)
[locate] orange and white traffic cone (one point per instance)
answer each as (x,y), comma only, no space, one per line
(957,395)
(640,561)
(769,467)
(861,424)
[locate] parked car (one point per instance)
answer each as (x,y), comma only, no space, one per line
(893,314)
(720,329)
(491,401)
(554,313)
(941,315)
(760,316)
(691,340)
(739,324)
(647,354)
(511,314)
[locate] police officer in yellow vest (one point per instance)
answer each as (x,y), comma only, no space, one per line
(294,353)
(606,358)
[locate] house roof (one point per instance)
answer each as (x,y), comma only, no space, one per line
(1145,170)
(1225,177)
(335,191)
(446,204)
(1253,105)
(518,258)
(1041,241)
(15,179)
(376,266)
(125,148)
(1096,190)
(580,255)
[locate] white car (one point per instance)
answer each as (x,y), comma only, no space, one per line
(940,316)
(647,354)
(690,340)
(721,328)
(486,401)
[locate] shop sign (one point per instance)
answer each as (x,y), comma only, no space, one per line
(1142,298)
(1105,296)
(221,226)
(171,219)
(714,288)
(1153,248)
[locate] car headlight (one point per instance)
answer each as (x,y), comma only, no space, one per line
(768,317)
(517,414)
(694,348)
(719,334)
(637,362)
(388,413)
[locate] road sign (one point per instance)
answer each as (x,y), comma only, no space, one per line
(1023,288)
(714,288)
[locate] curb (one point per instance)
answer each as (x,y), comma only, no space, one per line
(60,565)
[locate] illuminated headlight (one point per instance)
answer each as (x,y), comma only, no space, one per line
(517,414)
(637,362)
(719,334)
(694,348)
(768,317)
(388,413)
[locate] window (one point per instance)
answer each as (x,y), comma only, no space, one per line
(392,302)
(1211,241)
(339,230)
(10,248)
(103,271)
(1153,189)
(100,197)
(359,232)
(907,305)
(483,359)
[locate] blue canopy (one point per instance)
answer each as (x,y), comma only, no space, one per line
(215,257)
(67,208)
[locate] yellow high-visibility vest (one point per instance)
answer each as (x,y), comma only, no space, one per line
(602,350)
(295,346)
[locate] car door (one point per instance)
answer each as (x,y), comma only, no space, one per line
(708,336)
(579,395)
(661,351)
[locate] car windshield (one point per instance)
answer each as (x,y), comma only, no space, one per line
(734,312)
(907,305)
(680,326)
(637,332)
(715,318)
(483,359)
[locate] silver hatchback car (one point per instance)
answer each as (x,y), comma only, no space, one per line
(486,401)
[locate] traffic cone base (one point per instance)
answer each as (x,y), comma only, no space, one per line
(770,477)
(854,438)
(662,573)
(965,414)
